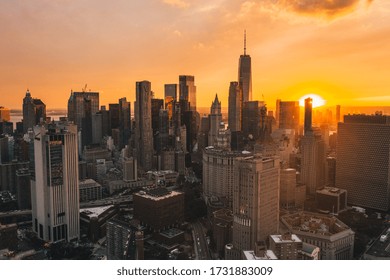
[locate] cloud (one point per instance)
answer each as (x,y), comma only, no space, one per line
(177,3)
(177,33)
(327,8)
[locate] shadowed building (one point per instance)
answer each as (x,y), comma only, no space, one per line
(363,165)
(143,125)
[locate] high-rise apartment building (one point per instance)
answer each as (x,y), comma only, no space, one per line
(187,90)
(245,74)
(34,111)
(363,165)
(55,184)
(235,107)
(143,125)
(255,200)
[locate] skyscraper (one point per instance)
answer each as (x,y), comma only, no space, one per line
(124,121)
(143,125)
(76,106)
(313,151)
(255,200)
(235,107)
(308,115)
(187,91)
(288,115)
(34,111)
(245,74)
(363,165)
(55,184)
(215,119)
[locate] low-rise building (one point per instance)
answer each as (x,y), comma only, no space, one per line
(334,238)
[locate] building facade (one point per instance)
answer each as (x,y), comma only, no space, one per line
(55,184)
(255,200)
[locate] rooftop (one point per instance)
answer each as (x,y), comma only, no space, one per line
(95,211)
(269,255)
(158,194)
(287,238)
(331,191)
(318,224)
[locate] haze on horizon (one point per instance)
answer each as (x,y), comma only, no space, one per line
(337,49)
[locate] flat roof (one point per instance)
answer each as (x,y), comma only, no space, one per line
(278,238)
(95,211)
(269,255)
(157,194)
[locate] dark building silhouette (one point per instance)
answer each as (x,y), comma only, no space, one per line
(34,111)
(235,107)
(245,74)
(143,125)
(308,115)
(363,163)
(187,91)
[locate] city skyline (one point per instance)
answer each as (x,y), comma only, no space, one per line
(336,50)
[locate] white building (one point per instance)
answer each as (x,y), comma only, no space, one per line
(55,186)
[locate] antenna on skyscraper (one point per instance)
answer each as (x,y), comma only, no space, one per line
(245,42)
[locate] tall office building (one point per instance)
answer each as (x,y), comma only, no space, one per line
(313,163)
(251,119)
(288,115)
(218,173)
(245,74)
(308,115)
(255,200)
(187,91)
(34,111)
(171,91)
(55,184)
(77,106)
(143,125)
(363,165)
(235,107)
(338,116)
(215,119)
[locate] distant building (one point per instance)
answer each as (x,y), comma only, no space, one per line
(288,115)
(245,74)
(23,186)
(333,237)
(143,125)
(235,107)
(4,114)
(8,237)
(187,91)
(34,112)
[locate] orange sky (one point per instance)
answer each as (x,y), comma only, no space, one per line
(339,49)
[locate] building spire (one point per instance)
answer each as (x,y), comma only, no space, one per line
(245,42)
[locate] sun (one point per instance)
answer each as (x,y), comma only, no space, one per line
(317,100)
